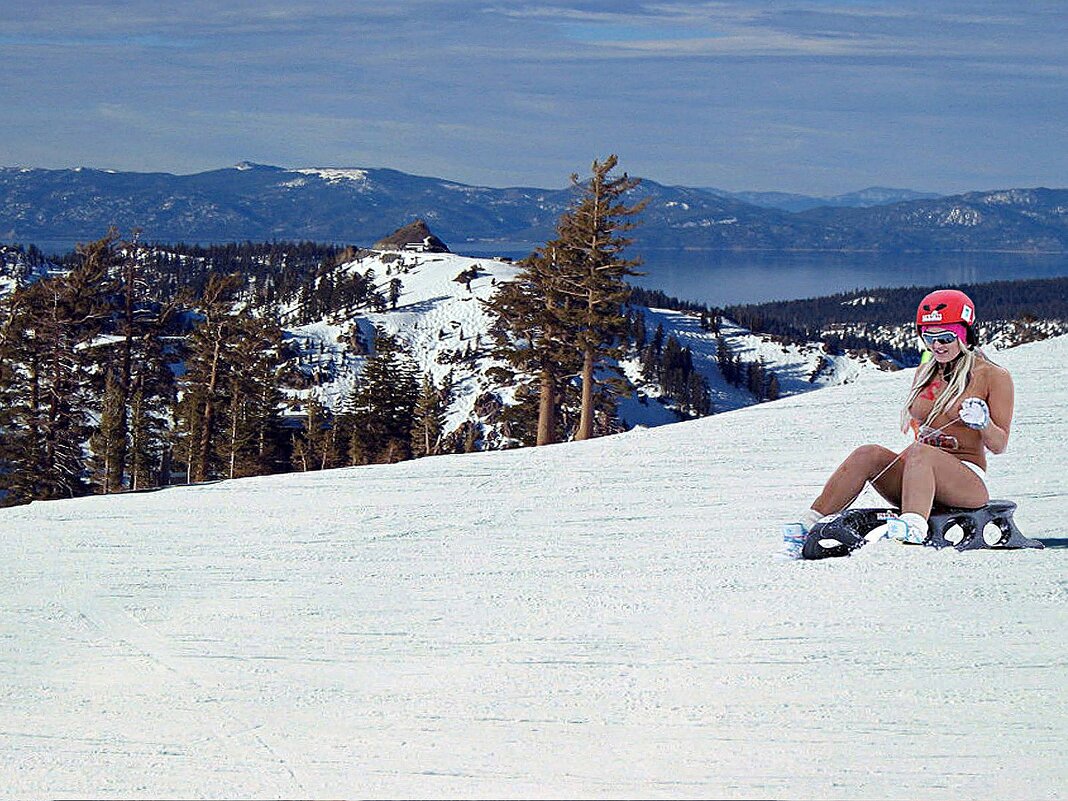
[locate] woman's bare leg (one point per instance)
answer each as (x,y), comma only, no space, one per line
(847,482)
(932,475)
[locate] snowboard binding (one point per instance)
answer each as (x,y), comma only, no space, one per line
(991,526)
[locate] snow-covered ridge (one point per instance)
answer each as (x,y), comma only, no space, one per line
(600,618)
(335,174)
(446,326)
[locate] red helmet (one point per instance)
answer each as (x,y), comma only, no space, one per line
(945,306)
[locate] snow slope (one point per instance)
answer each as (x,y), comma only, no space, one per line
(441,319)
(601,619)
(437,317)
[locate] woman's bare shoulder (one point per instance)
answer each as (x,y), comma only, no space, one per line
(994,373)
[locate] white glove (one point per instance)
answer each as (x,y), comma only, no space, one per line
(974,413)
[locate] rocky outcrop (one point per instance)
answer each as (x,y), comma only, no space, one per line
(415,236)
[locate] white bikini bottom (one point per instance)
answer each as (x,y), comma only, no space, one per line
(975,469)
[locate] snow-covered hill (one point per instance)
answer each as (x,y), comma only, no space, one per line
(447,328)
(592,619)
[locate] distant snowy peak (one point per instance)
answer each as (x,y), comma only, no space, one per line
(1010,197)
(334,175)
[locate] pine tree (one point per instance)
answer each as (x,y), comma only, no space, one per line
(109,442)
(203,382)
(755,379)
(658,339)
(252,429)
(723,356)
(50,359)
(146,441)
(150,404)
(563,316)
(138,362)
(591,273)
(124,375)
(228,420)
(385,405)
(773,387)
(519,421)
(532,340)
(428,419)
(650,364)
(700,396)
(638,331)
(315,446)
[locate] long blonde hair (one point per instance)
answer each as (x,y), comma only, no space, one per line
(956,383)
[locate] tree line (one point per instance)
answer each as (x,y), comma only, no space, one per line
(107,384)
(807,320)
(669,365)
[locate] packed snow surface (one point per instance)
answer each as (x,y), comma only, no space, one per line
(594,619)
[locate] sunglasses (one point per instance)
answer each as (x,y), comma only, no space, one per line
(941,338)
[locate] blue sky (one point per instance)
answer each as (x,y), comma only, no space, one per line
(820,97)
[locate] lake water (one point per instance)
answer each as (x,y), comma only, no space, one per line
(722,278)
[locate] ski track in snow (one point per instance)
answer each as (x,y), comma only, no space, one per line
(591,619)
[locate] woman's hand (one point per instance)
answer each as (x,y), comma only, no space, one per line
(974,413)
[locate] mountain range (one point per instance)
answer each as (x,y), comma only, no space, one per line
(789,201)
(56,208)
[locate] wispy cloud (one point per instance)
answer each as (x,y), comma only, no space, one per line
(106,41)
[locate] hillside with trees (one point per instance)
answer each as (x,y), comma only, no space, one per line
(126,366)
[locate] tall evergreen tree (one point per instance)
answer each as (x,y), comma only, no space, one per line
(138,363)
(147,438)
(228,419)
(152,394)
(107,464)
(699,394)
(203,381)
(252,429)
(532,340)
(658,339)
(589,247)
(773,389)
(429,418)
(563,316)
(50,350)
(315,447)
(395,288)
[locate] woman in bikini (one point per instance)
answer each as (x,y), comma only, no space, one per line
(960,406)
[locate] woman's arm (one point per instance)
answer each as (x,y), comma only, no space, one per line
(1000,401)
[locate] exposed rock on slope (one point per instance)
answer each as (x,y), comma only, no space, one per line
(414,236)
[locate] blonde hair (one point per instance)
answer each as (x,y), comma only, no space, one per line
(956,383)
